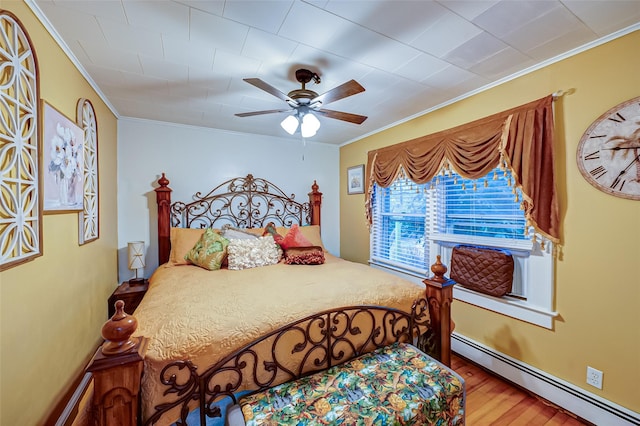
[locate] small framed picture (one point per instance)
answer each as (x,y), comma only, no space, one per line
(355,180)
(63,165)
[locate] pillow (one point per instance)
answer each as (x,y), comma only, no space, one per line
(237,233)
(293,238)
(313,255)
(209,252)
(311,232)
(254,231)
(182,240)
(252,253)
(270,229)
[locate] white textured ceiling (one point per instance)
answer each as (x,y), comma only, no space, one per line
(184,61)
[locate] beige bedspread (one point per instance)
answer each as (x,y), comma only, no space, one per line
(192,313)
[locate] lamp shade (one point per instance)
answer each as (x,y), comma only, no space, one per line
(290,124)
(136,254)
(310,125)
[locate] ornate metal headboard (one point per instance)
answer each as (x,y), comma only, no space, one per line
(243,202)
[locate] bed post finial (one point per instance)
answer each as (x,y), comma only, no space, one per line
(315,201)
(440,296)
(439,269)
(117,371)
(163,199)
(118,330)
(163,181)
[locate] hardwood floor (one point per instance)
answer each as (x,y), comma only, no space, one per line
(493,401)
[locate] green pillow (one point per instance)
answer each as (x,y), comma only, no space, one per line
(210,250)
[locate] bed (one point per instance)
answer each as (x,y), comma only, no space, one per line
(194,321)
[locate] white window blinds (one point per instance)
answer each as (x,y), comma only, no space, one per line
(487,208)
(409,218)
(399,234)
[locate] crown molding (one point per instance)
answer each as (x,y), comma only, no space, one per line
(49,27)
(547,62)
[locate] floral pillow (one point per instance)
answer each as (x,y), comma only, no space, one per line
(293,238)
(252,253)
(209,252)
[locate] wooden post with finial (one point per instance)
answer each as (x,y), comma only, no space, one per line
(315,201)
(117,372)
(440,297)
(163,199)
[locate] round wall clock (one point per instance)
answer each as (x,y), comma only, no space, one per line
(609,151)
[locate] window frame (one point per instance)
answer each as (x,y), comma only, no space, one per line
(534,262)
(393,264)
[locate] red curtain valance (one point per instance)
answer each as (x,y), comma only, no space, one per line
(522,138)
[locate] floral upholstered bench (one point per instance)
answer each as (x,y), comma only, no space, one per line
(395,384)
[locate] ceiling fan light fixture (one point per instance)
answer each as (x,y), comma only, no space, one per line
(290,124)
(305,102)
(310,125)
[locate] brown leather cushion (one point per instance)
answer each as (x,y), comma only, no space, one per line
(483,269)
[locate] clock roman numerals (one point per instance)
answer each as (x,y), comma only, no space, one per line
(598,172)
(608,153)
(616,181)
(618,118)
(593,156)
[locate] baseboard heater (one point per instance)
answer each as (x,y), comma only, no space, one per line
(578,401)
(70,411)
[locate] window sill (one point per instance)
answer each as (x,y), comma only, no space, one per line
(508,306)
(524,247)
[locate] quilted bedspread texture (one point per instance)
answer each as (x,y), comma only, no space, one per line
(201,315)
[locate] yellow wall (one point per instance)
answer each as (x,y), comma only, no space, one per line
(52,308)
(597,277)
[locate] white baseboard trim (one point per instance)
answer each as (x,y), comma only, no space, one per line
(578,401)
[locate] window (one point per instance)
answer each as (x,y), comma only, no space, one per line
(413,223)
(400,227)
(491,211)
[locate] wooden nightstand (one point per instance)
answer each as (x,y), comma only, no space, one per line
(131,295)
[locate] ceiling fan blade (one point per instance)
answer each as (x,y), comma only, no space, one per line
(349,88)
(344,116)
(269,111)
(269,89)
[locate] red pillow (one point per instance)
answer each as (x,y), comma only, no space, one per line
(304,256)
(294,237)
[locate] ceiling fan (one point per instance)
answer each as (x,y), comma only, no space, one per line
(303,103)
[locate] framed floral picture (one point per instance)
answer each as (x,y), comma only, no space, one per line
(63,165)
(355,180)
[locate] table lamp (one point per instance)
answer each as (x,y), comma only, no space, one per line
(136,260)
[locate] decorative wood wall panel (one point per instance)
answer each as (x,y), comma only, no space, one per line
(20,159)
(88,219)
